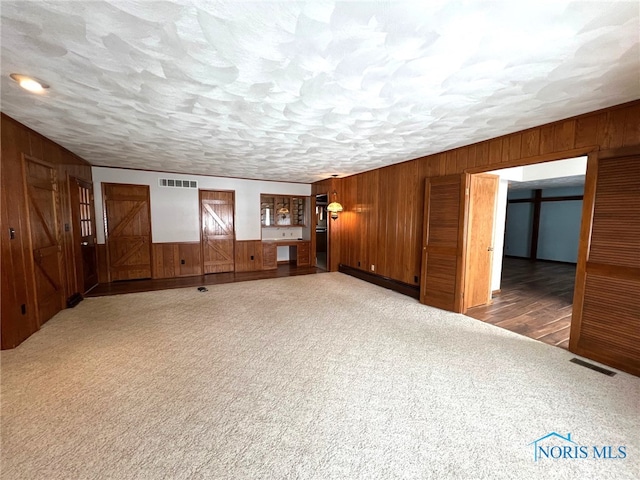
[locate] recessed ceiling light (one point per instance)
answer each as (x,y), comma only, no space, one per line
(29,83)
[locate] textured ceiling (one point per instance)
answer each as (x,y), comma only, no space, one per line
(572,181)
(297,91)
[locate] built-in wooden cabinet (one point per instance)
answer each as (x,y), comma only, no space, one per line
(269,256)
(301,252)
(282,211)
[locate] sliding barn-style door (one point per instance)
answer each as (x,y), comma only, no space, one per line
(217,231)
(443,243)
(128,230)
(606,305)
(46,243)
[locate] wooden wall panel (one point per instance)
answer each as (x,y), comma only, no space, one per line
(190,261)
(18,307)
(103,268)
(18,286)
(611,128)
(248,255)
(176,259)
(399,189)
(165,256)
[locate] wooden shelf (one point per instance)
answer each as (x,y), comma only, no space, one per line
(282,211)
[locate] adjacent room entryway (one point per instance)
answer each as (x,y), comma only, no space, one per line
(535,300)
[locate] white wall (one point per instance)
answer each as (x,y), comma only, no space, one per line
(518,230)
(560,230)
(175,211)
(498,233)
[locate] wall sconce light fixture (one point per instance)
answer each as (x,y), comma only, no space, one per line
(334,207)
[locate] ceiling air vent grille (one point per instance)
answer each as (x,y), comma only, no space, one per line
(172,182)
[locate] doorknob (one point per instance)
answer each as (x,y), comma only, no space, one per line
(84,244)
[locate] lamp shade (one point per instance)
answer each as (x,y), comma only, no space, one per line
(334,207)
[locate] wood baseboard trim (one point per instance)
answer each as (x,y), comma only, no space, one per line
(390,283)
(496,292)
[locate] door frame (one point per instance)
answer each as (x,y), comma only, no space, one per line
(233,193)
(312,230)
(106,228)
(537,160)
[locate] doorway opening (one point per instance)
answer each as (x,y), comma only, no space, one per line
(536,232)
(321,226)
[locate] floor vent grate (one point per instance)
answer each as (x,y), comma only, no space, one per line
(592,366)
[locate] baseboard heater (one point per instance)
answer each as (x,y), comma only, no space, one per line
(74,300)
(390,283)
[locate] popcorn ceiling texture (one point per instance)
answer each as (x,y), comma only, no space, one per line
(297,91)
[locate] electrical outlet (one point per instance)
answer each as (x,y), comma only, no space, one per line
(373,268)
(283,234)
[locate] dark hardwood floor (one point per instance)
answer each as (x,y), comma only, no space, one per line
(535,300)
(147,285)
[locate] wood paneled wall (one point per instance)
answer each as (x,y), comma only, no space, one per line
(18,287)
(171,260)
(248,255)
(383,216)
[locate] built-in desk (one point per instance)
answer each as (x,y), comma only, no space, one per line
(299,252)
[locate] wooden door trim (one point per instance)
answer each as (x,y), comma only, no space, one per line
(584,245)
(537,159)
(461,274)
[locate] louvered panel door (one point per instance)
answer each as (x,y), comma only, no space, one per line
(217,231)
(128,231)
(443,243)
(606,309)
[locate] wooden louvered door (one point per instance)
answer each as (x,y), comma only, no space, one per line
(606,306)
(217,231)
(443,242)
(46,244)
(128,230)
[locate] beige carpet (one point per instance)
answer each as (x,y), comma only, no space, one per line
(311,377)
